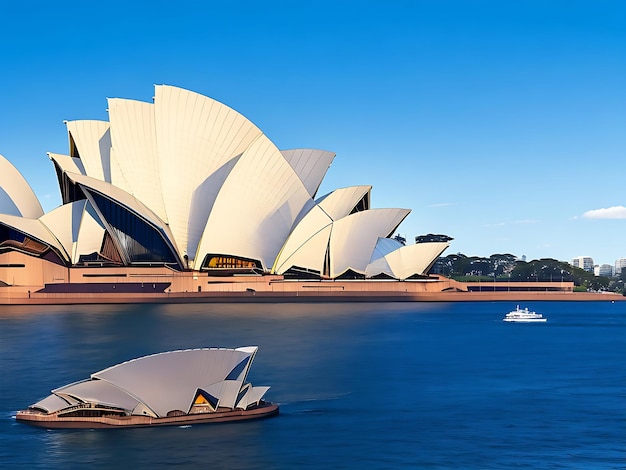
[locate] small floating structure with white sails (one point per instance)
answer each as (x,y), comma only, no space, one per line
(183,387)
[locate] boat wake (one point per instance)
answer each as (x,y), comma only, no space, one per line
(303,406)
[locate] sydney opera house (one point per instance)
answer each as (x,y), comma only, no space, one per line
(185,198)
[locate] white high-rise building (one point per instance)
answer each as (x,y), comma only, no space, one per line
(603,270)
(620,263)
(583,262)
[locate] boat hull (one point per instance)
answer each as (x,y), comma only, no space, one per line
(53,421)
(526,320)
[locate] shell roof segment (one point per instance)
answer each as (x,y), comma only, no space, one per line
(197,137)
(354,238)
(343,201)
(91,141)
(65,163)
(77,227)
(36,230)
(135,152)
(310,165)
(98,391)
(258,204)
(308,242)
(393,259)
(16,196)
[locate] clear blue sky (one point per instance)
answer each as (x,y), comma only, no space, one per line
(499,123)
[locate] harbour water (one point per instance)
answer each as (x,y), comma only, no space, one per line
(364,385)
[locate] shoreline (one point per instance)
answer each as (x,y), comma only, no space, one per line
(160,285)
(290,297)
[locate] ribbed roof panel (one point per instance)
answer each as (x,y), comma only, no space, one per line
(354,238)
(90,235)
(64,222)
(310,165)
(256,207)
(18,198)
(35,229)
(51,404)
(67,163)
(253,395)
(99,392)
(414,259)
(379,266)
(93,141)
(133,138)
(341,202)
(306,245)
(196,137)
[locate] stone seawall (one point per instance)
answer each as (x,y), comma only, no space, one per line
(307,297)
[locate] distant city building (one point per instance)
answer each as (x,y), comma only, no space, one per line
(603,270)
(620,263)
(583,262)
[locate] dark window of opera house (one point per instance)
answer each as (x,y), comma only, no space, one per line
(142,242)
(230,262)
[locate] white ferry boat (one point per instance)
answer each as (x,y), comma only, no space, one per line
(524,316)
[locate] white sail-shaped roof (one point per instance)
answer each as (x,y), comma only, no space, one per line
(342,201)
(306,247)
(34,229)
(392,258)
(303,247)
(414,259)
(77,227)
(133,138)
(253,395)
(310,165)
(67,163)
(256,207)
(16,196)
(64,222)
(169,381)
(90,235)
(354,238)
(51,404)
(378,263)
(378,267)
(98,391)
(230,391)
(93,141)
(197,137)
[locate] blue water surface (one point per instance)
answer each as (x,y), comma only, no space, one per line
(364,385)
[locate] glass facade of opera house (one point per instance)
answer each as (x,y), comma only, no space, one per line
(185,186)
